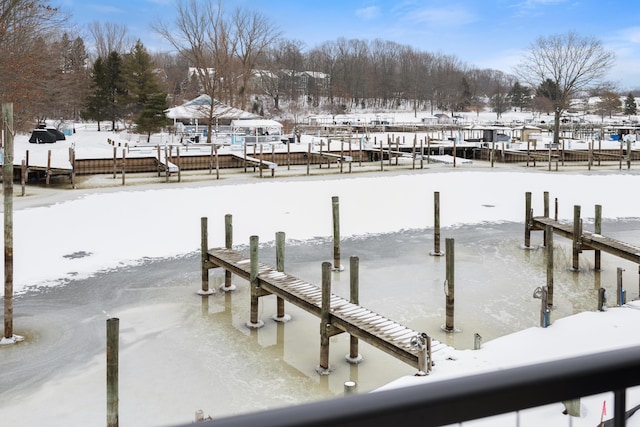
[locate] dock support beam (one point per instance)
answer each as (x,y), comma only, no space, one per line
(228,244)
(354,279)
(204,258)
(254,322)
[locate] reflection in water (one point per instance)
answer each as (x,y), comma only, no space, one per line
(246,370)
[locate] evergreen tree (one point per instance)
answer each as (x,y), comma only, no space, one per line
(519,96)
(152,116)
(109,98)
(96,104)
(141,79)
(630,107)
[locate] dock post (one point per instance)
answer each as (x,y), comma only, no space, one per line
(354,298)
(335,201)
(350,387)
(549,244)
(602,299)
(113,325)
(436,224)
(545,197)
(449,286)
(598,230)
(323,368)
(422,343)
(124,165)
(621,293)
(308,158)
(204,257)
(629,154)
(577,237)
(477,341)
(527,220)
(228,244)
(280,314)
(254,322)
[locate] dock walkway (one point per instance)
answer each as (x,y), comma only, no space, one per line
(589,240)
(373,328)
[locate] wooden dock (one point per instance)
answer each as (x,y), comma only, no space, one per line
(404,343)
(582,239)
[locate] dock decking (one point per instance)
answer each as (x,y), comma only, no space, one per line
(373,328)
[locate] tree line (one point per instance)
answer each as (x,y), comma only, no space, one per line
(239,57)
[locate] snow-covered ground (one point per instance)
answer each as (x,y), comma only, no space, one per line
(74,234)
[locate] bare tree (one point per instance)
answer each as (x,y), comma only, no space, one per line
(571,61)
(255,34)
(25,28)
(110,37)
(202,37)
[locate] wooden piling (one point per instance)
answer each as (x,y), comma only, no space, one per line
(527,220)
(124,165)
(215,152)
(48,178)
(115,158)
(598,230)
(549,245)
(620,292)
(449,286)
(308,159)
(545,212)
(436,224)
(7,184)
(354,298)
(113,326)
(602,300)
(280,244)
(228,244)
(577,237)
(324,318)
(254,322)
(23,177)
(204,257)
(335,201)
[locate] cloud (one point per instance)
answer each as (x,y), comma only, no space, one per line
(529,7)
(368,13)
(438,17)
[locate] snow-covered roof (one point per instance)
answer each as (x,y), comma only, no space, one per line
(199,108)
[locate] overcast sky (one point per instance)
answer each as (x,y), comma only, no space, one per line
(484,34)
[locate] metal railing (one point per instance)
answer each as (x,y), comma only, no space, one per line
(465,398)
